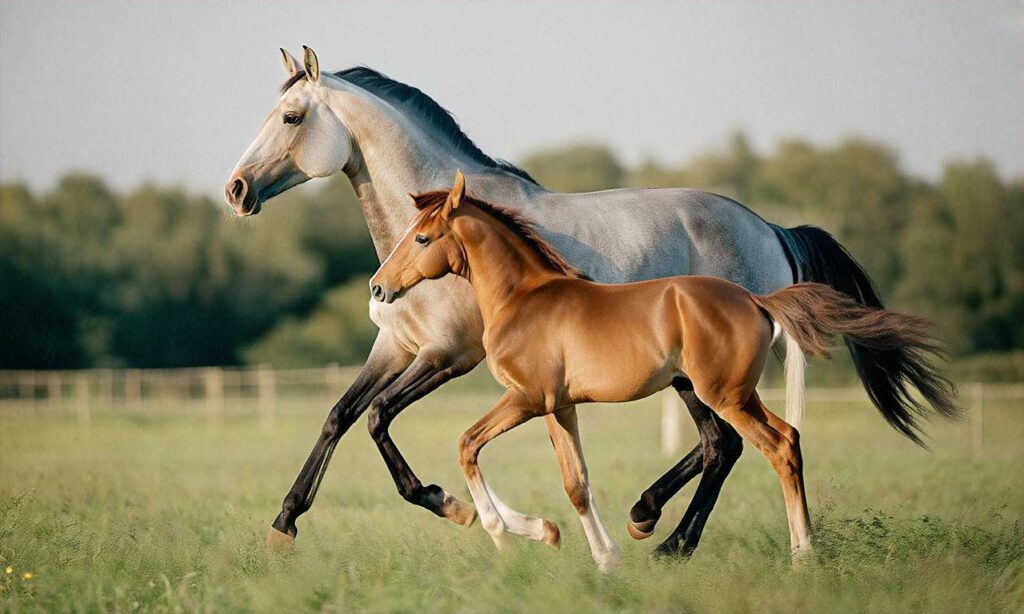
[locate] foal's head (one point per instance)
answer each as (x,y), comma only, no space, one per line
(428,250)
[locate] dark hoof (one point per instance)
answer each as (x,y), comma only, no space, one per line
(671,551)
(640,530)
(642,518)
(280,542)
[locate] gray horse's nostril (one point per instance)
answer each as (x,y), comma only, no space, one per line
(377,291)
(237,188)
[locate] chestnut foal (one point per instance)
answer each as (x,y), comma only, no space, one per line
(555,339)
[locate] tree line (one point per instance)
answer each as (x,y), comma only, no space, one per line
(158,277)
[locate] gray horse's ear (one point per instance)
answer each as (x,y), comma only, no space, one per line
(312,65)
(291,65)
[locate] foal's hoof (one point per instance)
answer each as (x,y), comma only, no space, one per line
(552,536)
(280,542)
(640,530)
(800,556)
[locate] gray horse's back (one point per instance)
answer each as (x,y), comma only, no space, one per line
(633,234)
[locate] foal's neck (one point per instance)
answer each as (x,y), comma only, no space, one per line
(500,266)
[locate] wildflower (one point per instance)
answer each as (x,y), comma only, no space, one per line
(8,570)
(26,576)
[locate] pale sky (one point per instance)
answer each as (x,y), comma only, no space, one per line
(173,92)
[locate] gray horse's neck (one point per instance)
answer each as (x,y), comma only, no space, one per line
(394,158)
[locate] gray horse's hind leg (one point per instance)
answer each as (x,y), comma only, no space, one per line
(722,447)
(384,365)
(715,455)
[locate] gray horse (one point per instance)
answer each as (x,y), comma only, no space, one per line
(390,139)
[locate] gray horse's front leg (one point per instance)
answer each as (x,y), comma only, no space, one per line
(384,365)
(423,376)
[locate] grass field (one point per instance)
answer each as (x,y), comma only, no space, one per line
(163,510)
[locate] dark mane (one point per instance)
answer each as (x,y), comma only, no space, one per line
(419,105)
(516,222)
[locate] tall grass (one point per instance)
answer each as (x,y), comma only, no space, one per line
(163,511)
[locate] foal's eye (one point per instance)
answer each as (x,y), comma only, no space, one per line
(422,239)
(292,118)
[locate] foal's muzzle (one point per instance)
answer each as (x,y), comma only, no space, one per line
(381,295)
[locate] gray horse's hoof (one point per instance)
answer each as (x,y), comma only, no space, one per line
(640,530)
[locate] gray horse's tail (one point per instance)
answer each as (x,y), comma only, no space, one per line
(888,374)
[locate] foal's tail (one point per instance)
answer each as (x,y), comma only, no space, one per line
(811,313)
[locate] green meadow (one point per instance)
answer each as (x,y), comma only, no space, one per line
(164,509)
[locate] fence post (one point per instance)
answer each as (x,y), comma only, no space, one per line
(133,389)
(267,387)
(54,393)
(977,419)
(108,388)
(27,386)
(213,390)
(82,398)
(333,373)
(671,425)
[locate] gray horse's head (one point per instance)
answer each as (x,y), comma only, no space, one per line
(302,138)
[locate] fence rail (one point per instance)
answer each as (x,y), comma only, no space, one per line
(133,388)
(972,397)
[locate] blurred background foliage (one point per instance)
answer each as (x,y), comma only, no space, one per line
(162,278)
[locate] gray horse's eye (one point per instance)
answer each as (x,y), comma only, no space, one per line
(292,118)
(422,239)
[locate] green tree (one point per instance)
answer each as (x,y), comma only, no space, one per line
(855,190)
(987,256)
(576,168)
(338,330)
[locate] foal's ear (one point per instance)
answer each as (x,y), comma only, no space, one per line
(312,65)
(291,65)
(455,196)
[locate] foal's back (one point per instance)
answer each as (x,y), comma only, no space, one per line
(581,341)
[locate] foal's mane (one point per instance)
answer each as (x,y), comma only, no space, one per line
(415,103)
(520,225)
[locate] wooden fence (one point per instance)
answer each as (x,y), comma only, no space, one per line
(972,398)
(133,389)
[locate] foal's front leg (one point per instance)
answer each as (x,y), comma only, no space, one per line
(511,410)
(565,436)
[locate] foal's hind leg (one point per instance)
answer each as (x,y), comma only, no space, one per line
(780,444)
(565,436)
